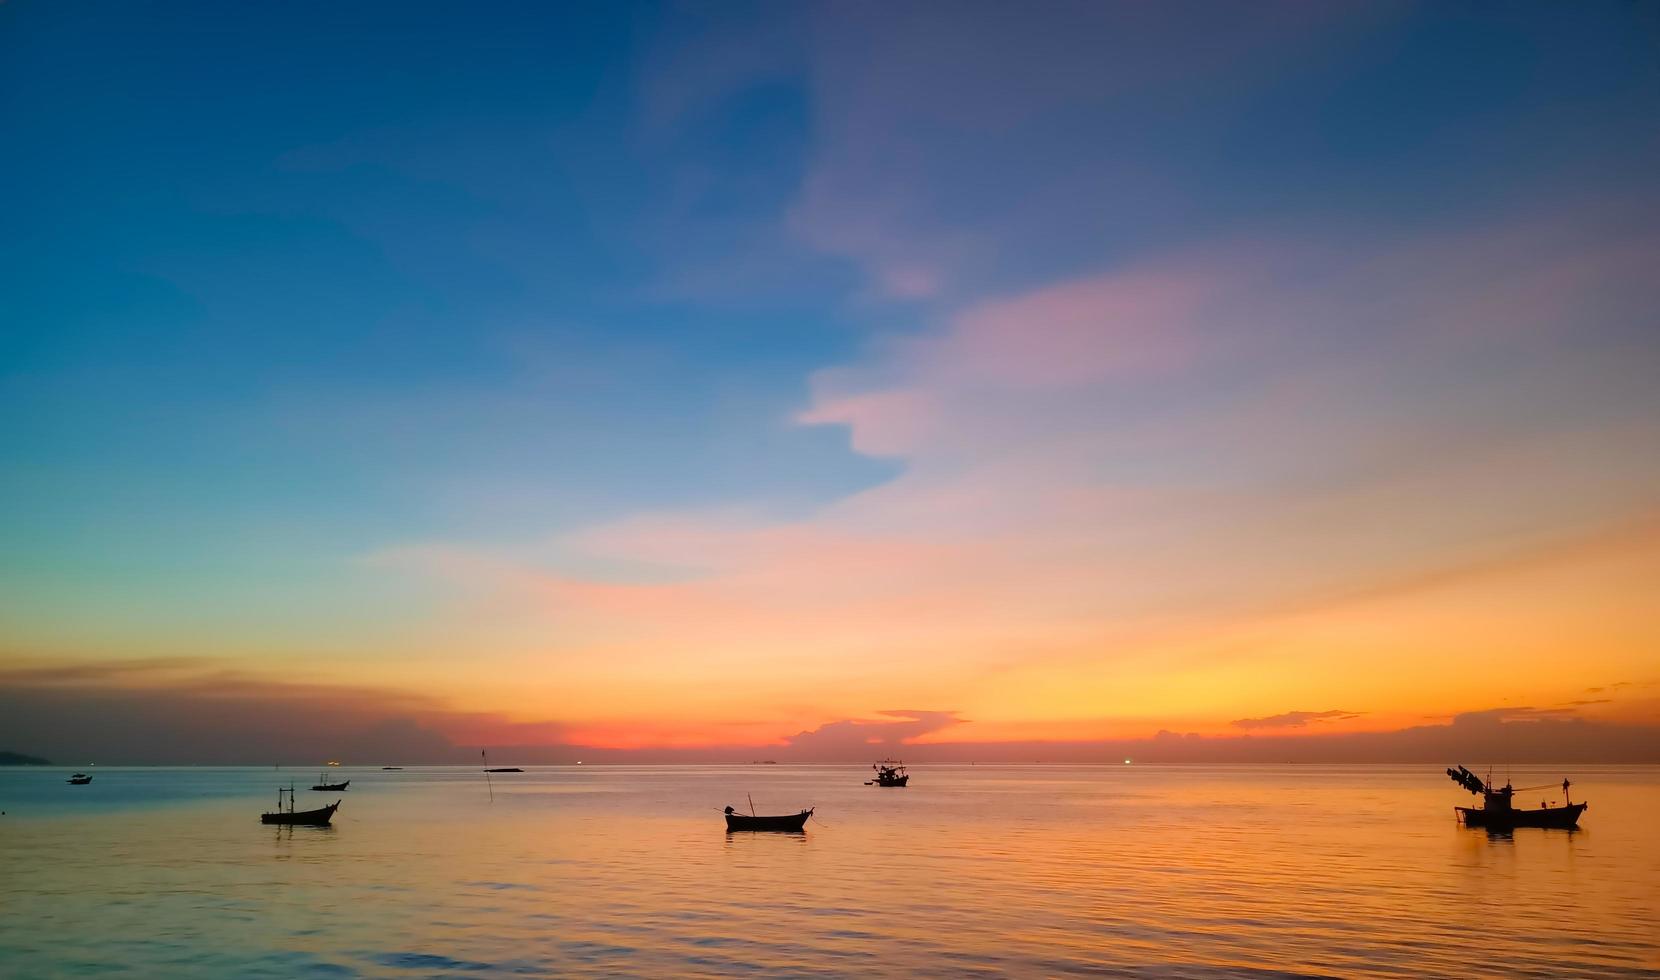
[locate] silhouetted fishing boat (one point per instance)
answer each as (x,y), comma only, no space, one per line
(508,769)
(389,769)
(889,772)
(794,822)
(331,787)
(79,779)
(303,818)
(1499,812)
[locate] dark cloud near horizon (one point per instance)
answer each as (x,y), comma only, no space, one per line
(115,726)
(188,714)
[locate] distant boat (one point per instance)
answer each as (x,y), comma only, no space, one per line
(889,772)
(793,822)
(302,818)
(388,769)
(331,762)
(331,787)
(1499,812)
(79,779)
(485,755)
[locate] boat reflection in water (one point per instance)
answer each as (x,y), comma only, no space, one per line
(1498,811)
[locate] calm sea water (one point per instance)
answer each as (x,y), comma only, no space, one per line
(1025,871)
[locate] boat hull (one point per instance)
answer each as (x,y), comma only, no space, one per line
(794,822)
(898,781)
(303,818)
(332,787)
(1556,817)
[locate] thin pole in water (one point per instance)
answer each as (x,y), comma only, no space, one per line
(489,785)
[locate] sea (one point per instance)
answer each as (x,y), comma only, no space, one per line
(1019,871)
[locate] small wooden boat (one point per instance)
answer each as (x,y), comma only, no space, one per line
(1547,817)
(79,779)
(331,787)
(1499,812)
(793,822)
(300,818)
(388,769)
(484,754)
(889,772)
(303,818)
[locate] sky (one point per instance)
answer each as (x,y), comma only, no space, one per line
(970,381)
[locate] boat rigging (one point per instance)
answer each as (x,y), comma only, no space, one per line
(1499,812)
(889,772)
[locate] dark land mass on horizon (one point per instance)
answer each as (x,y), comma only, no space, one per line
(86,713)
(1475,738)
(19,759)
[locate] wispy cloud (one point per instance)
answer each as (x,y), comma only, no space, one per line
(1126,462)
(852,737)
(940,158)
(1294,719)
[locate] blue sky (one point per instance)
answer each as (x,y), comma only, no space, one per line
(285,289)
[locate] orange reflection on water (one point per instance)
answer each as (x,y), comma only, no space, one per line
(1016,870)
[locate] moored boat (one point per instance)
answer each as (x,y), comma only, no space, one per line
(302,818)
(1499,812)
(889,772)
(79,779)
(485,755)
(331,787)
(793,822)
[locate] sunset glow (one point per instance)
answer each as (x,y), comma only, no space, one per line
(818,384)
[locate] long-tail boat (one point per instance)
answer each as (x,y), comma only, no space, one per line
(793,822)
(331,787)
(1499,812)
(79,779)
(485,755)
(303,818)
(889,772)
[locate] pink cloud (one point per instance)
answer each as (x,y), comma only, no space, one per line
(910,281)
(1148,452)
(882,423)
(1114,326)
(997,366)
